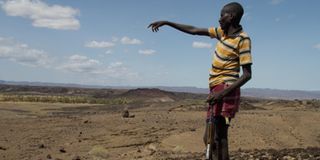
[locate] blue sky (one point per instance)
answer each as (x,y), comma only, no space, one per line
(106,42)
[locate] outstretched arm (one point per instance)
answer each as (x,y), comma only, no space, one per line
(181,27)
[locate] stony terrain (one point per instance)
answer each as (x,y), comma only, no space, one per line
(161,126)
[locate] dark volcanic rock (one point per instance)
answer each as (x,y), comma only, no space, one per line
(284,154)
(311,153)
(3,148)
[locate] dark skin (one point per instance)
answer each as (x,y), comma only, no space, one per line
(227,24)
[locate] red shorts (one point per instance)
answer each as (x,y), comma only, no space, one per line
(229,104)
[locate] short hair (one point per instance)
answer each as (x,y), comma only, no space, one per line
(237,9)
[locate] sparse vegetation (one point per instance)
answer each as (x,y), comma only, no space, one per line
(47,94)
(61,99)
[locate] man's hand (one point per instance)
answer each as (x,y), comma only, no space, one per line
(214,97)
(155,25)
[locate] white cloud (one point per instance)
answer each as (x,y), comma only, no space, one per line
(119,72)
(317,46)
(94,68)
(80,64)
(275,2)
(108,52)
(147,52)
(43,15)
(278,19)
(22,53)
(201,45)
(127,40)
(102,44)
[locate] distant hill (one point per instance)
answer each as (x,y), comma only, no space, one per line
(256,92)
(147,92)
(26,83)
(248,92)
(30,93)
(280,94)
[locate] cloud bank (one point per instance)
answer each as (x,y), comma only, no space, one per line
(317,46)
(22,53)
(201,45)
(94,68)
(147,51)
(127,40)
(102,44)
(42,15)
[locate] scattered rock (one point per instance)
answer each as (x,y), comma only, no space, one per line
(284,154)
(99,152)
(2,148)
(152,149)
(125,113)
(41,146)
(62,150)
(86,121)
(49,156)
(76,158)
(123,155)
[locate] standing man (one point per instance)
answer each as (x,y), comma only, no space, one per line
(233,51)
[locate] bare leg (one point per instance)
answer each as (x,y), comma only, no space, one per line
(221,138)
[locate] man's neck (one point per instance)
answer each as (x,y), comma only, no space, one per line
(233,30)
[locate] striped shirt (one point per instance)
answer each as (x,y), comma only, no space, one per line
(230,53)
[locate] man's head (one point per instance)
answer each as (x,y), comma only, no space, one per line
(231,14)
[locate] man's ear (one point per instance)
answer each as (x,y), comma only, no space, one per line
(233,17)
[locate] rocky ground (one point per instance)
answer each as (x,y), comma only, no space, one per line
(310,153)
(263,129)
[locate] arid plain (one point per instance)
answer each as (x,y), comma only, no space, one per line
(161,125)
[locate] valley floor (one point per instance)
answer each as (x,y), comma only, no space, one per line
(157,131)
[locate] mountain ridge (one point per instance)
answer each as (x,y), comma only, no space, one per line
(265,93)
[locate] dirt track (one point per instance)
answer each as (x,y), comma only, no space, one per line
(158,131)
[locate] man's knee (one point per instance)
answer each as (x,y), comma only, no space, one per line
(222,129)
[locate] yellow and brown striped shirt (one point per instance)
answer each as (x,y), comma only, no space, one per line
(231,52)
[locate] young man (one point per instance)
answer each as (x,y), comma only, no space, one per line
(233,50)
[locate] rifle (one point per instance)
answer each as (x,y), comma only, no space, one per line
(211,147)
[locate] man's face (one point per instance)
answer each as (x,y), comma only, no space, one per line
(225,19)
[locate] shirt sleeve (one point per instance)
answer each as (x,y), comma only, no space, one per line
(215,32)
(245,51)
